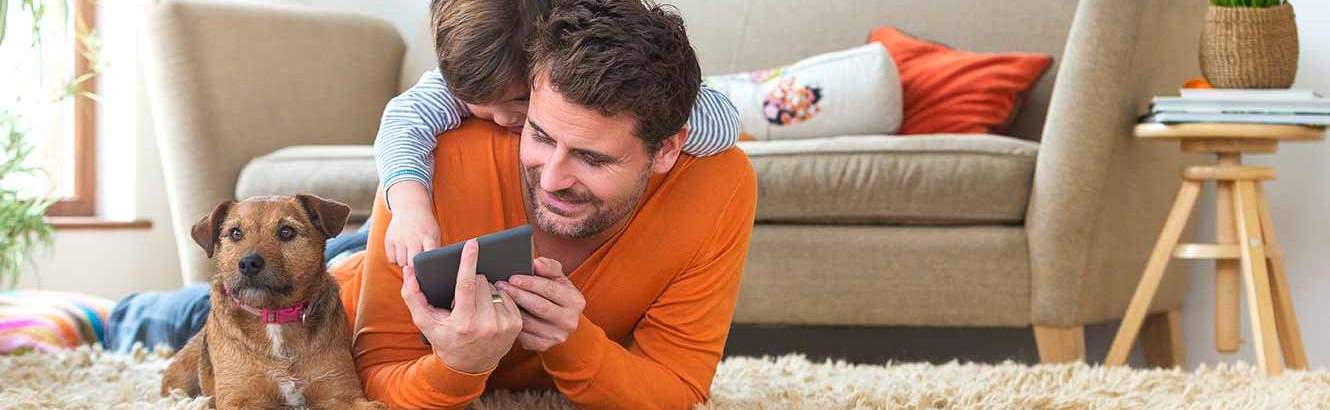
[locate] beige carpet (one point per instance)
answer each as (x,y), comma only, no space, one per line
(92,379)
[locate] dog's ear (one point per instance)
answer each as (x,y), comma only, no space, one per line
(326,214)
(205,230)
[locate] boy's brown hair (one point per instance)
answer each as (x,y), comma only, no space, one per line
(481,44)
(620,56)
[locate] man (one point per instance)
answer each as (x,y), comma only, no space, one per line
(640,249)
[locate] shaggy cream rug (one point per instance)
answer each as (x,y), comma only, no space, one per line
(88,378)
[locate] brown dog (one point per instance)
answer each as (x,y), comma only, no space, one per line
(277,335)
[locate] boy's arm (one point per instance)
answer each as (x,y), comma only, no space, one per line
(713,126)
(403,149)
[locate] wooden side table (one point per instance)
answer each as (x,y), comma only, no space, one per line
(1245,242)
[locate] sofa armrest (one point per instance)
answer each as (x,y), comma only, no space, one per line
(228,82)
(1100,196)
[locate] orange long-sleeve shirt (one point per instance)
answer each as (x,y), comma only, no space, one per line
(660,294)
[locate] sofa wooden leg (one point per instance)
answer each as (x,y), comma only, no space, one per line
(1161,337)
(1060,344)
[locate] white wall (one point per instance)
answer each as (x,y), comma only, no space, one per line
(1299,201)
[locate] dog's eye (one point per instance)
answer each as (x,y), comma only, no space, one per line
(235,234)
(286,233)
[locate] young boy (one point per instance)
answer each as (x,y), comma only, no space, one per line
(481,48)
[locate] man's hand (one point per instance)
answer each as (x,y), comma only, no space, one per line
(551,305)
(477,332)
(412,229)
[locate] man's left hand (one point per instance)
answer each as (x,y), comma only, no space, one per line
(551,305)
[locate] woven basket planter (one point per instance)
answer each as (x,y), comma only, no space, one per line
(1250,47)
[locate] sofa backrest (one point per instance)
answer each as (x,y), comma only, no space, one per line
(741,35)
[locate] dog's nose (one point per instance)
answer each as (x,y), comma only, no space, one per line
(251,264)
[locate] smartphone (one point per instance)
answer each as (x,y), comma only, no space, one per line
(500,255)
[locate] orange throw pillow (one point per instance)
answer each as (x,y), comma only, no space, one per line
(945,90)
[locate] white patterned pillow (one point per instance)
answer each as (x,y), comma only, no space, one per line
(849,92)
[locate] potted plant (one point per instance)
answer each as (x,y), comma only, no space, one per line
(22,218)
(1249,44)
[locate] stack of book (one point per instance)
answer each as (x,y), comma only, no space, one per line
(1283,106)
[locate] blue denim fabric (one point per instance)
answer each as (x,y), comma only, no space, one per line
(157,318)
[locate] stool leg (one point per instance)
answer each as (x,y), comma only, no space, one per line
(1228,285)
(1286,321)
(1154,272)
(1259,305)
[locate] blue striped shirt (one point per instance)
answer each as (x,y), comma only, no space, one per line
(403,149)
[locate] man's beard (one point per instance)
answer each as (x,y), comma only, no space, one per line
(603,215)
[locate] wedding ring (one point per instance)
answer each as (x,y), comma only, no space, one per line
(496,298)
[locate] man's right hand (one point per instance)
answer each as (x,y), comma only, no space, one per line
(476,333)
(412,229)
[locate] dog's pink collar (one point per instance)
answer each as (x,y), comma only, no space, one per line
(289,314)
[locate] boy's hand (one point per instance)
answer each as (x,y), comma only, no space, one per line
(412,228)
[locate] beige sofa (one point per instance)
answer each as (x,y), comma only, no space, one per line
(1047,228)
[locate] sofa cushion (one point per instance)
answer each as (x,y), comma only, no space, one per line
(886,275)
(343,173)
(848,92)
(931,179)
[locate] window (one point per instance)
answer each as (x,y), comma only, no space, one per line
(47,87)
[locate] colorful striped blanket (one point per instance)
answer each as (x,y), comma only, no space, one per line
(48,321)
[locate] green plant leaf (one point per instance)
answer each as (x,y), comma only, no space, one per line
(23,225)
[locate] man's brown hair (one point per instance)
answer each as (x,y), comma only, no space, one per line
(619,56)
(481,44)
